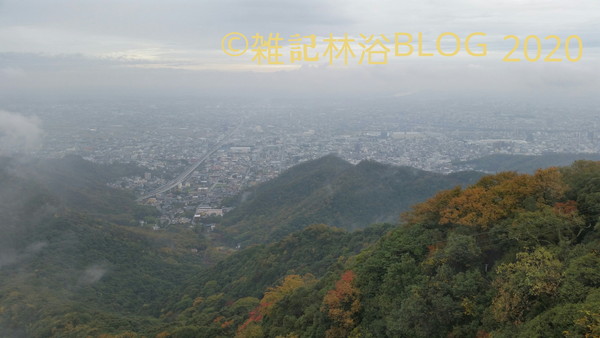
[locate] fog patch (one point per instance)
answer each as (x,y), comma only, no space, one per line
(11,256)
(329,190)
(92,274)
(245,196)
(8,258)
(18,133)
(35,247)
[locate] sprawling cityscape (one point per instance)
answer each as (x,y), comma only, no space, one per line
(196,154)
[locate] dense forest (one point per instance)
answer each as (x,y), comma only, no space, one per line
(332,191)
(72,260)
(510,255)
(514,255)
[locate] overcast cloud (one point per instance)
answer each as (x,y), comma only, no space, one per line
(174,47)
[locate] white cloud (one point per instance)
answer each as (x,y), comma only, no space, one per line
(18,133)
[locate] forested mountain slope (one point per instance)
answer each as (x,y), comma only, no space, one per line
(514,255)
(330,190)
(71,264)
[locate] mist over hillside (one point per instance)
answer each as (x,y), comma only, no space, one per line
(72,253)
(507,254)
(332,191)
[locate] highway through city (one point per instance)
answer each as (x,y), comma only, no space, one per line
(186,174)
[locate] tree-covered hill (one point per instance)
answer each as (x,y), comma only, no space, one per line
(69,267)
(514,255)
(75,184)
(511,255)
(334,192)
(217,301)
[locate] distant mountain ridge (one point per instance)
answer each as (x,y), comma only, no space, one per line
(332,191)
(524,163)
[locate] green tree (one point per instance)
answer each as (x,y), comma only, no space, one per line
(525,283)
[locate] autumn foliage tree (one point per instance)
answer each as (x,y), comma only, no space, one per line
(272,296)
(429,212)
(342,305)
(493,198)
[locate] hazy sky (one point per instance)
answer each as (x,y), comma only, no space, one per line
(173,47)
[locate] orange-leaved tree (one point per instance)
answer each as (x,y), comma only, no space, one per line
(271,297)
(342,305)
